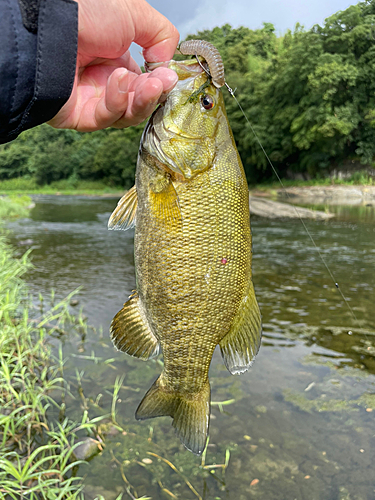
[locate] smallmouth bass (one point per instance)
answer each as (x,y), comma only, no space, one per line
(190,208)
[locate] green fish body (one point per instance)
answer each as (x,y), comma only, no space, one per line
(190,206)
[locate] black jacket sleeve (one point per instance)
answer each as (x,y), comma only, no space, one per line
(37,62)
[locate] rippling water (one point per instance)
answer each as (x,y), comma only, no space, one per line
(302,423)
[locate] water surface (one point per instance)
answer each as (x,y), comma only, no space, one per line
(302,423)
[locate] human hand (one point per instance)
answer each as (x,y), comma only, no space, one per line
(109,89)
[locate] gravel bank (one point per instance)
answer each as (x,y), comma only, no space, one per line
(273,209)
(335,195)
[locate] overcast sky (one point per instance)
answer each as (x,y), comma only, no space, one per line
(190,16)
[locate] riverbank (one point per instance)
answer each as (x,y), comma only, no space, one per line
(38,453)
(23,185)
(335,195)
(64,187)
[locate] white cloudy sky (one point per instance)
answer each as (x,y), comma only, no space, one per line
(190,16)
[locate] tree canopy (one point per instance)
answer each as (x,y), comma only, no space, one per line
(309,95)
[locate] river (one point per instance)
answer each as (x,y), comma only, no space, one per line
(299,425)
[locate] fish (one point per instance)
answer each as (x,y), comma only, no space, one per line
(192,251)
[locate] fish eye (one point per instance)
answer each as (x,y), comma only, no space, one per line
(207,101)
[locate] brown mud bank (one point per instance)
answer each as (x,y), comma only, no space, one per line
(334,195)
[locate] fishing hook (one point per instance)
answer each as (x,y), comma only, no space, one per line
(230,90)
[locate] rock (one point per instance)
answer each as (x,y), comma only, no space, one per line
(87,449)
(26,242)
(272,210)
(95,492)
(108,429)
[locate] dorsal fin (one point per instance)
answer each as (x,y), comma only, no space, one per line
(123,217)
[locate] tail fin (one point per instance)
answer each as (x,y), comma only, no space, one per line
(190,413)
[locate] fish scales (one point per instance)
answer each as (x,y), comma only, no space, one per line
(192,255)
(195,288)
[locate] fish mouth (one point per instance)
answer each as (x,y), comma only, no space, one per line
(184,69)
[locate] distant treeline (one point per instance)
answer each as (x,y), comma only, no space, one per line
(310,96)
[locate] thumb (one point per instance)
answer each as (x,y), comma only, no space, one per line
(158,36)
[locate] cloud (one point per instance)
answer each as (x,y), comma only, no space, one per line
(283,14)
(196,15)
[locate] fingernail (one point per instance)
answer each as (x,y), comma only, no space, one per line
(123,82)
(172,79)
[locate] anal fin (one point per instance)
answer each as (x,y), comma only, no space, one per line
(241,344)
(123,216)
(131,333)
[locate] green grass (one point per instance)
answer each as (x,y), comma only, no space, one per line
(37,458)
(12,207)
(24,185)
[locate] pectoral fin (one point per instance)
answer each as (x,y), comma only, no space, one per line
(164,200)
(131,333)
(241,344)
(123,217)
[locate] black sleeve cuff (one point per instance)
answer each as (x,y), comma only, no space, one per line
(36,70)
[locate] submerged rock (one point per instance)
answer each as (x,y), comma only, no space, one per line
(95,492)
(87,449)
(26,242)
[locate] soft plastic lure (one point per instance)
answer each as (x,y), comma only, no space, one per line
(210,54)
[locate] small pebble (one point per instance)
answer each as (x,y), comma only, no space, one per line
(309,387)
(254,482)
(147,461)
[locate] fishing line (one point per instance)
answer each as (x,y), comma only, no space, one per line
(298,214)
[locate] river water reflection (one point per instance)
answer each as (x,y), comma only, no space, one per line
(302,423)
